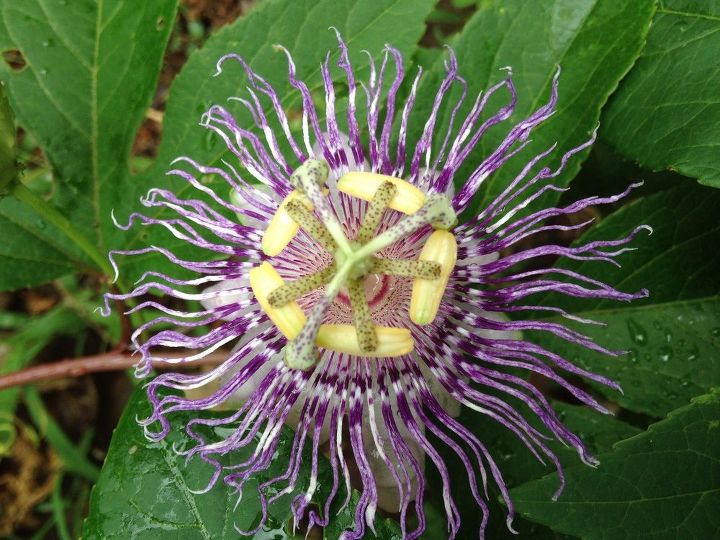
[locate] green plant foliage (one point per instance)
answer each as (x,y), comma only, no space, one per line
(667,114)
(535,39)
(673,336)
(8,167)
(32,251)
(599,432)
(91,70)
(364,25)
(144,489)
(304,28)
(518,465)
(662,484)
(22,248)
(386,529)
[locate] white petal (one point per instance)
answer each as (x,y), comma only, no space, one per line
(293,418)
(262,193)
(245,391)
(388,492)
(227,292)
(450,404)
(497,334)
(345,145)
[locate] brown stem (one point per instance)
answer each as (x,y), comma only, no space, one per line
(111,361)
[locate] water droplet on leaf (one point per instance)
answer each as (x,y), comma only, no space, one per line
(637,332)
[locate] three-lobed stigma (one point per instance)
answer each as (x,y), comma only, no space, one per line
(307,208)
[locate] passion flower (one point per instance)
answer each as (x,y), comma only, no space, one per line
(355,304)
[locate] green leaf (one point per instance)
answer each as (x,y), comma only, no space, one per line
(386,529)
(461,4)
(672,352)
(518,465)
(144,488)
(595,42)
(673,262)
(303,27)
(27,258)
(666,115)
(8,166)
(91,69)
(662,484)
(11,320)
(672,336)
(598,431)
(58,509)
(32,251)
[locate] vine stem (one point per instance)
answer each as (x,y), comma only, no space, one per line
(46,210)
(110,361)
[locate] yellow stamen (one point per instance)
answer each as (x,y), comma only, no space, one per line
(343,338)
(408,199)
(441,248)
(282,227)
(289,318)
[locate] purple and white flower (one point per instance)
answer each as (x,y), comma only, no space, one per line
(353,303)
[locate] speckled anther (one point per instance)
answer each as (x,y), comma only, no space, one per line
(375,211)
(309,178)
(310,224)
(290,292)
(367,339)
(436,211)
(301,353)
(313,173)
(406,268)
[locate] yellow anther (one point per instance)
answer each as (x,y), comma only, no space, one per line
(289,318)
(441,248)
(282,227)
(343,338)
(408,199)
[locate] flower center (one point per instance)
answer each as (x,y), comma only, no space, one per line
(354,260)
(377,288)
